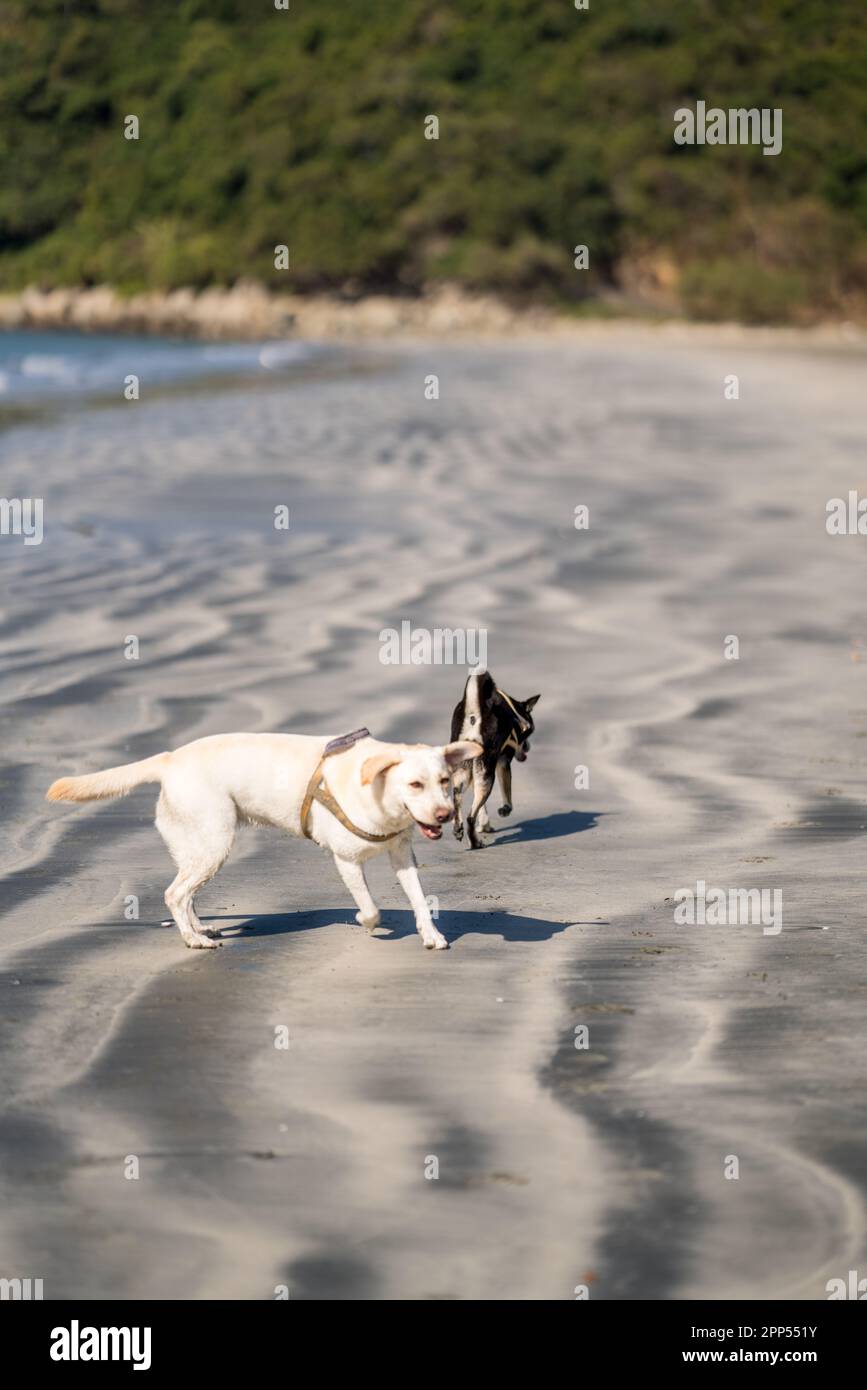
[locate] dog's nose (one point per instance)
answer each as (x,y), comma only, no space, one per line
(443,816)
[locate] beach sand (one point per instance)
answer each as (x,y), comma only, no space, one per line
(559,1167)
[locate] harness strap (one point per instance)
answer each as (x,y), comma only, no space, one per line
(317,791)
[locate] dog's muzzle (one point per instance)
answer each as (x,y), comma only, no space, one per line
(430,832)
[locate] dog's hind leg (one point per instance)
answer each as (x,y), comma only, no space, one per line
(199,848)
(504,777)
(353,876)
(483,781)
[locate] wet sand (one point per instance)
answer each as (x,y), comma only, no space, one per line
(558,1167)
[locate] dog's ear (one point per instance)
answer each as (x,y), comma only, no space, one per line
(533,700)
(457,753)
(380,762)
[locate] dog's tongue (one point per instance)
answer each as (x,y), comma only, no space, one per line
(430,832)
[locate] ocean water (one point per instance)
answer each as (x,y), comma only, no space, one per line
(36,366)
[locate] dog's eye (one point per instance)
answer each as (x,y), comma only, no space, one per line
(417,786)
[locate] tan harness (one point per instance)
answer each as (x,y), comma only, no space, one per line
(317,791)
(512,740)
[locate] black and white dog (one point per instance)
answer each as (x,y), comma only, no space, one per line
(503,726)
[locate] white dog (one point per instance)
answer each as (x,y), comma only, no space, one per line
(352,795)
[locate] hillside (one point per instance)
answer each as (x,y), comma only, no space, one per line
(306,127)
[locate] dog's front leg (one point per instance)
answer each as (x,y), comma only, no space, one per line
(404,865)
(353,876)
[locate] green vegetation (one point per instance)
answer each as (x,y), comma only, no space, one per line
(306,127)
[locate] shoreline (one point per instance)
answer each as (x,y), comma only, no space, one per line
(248,312)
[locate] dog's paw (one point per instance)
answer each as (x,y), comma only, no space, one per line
(437,942)
(213,932)
(370,923)
(459,831)
(505,810)
(203,943)
(487,829)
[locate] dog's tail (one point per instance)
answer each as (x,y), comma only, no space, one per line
(115,781)
(479,688)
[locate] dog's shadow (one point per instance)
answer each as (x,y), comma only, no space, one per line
(397,923)
(551,827)
(453,925)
